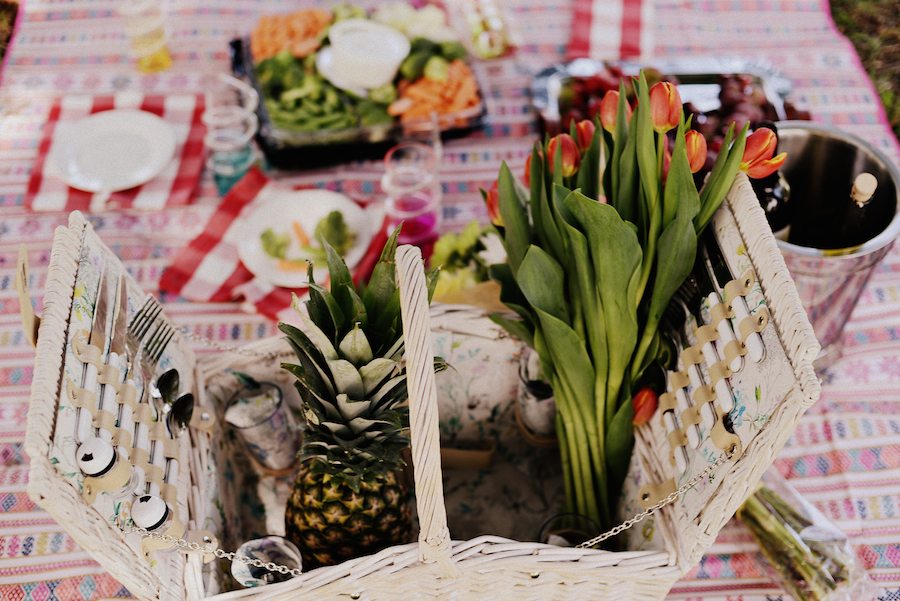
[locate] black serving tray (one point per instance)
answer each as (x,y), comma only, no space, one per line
(285,149)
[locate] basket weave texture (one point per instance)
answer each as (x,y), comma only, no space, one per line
(437,567)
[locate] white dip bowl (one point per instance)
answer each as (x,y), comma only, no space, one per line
(365,53)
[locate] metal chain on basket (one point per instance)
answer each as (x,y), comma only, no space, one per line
(670,498)
(188,546)
(229,348)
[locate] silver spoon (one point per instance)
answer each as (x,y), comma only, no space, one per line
(164,391)
(180,413)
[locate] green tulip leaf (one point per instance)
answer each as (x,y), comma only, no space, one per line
(570,360)
(616,255)
(619,443)
(515,218)
(542,279)
(627,196)
(515,327)
(721,178)
(645,148)
(545,225)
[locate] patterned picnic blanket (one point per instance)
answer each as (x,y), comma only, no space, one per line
(845,456)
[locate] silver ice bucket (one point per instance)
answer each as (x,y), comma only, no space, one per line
(821,165)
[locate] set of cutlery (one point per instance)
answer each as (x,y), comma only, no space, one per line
(128,438)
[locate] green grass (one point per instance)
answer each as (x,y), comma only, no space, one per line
(873,26)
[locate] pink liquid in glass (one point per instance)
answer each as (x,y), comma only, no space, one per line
(420,220)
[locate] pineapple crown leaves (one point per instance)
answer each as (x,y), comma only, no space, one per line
(350,371)
(374,308)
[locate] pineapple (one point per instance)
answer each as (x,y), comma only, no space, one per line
(350,497)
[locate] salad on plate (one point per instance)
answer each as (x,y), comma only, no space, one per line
(289,228)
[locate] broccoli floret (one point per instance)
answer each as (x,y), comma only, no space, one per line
(424,45)
(372,113)
(274,245)
(333,229)
(452,50)
(437,69)
(385,94)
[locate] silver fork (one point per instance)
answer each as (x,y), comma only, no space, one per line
(140,324)
(150,354)
(152,351)
(137,328)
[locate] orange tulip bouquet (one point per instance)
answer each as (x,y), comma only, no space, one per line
(598,239)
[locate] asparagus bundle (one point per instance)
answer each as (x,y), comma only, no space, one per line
(812,557)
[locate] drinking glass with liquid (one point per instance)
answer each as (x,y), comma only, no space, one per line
(231,124)
(145,25)
(413,194)
(232,153)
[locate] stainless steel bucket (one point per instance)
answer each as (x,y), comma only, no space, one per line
(821,165)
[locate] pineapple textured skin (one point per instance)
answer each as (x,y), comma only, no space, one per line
(331,523)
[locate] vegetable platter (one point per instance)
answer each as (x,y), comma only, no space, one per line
(345,83)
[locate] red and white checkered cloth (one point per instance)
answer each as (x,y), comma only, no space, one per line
(612,29)
(210,270)
(173,186)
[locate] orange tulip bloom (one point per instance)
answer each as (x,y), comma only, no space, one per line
(585,130)
(492,200)
(527,175)
(695,144)
(609,107)
(665,106)
(758,161)
(569,151)
(644,405)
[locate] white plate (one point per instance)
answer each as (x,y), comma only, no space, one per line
(278,210)
(112,150)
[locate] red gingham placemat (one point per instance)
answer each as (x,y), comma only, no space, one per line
(174,186)
(611,29)
(209,269)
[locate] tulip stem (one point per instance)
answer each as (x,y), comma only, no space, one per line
(660,154)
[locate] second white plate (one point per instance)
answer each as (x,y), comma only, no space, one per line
(112,150)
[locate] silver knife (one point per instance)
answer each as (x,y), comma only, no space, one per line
(116,358)
(97,339)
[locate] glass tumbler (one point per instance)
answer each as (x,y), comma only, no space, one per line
(145,25)
(229,140)
(231,123)
(273,549)
(227,97)
(568,530)
(263,420)
(413,194)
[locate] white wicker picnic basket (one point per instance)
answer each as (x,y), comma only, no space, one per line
(694,496)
